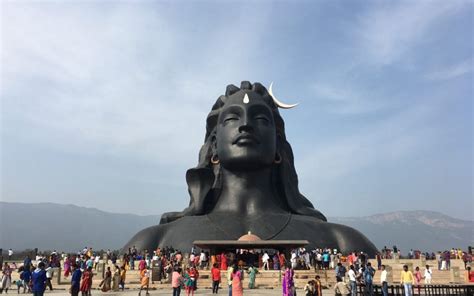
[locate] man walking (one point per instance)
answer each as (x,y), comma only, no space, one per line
(383,281)
(265,259)
(427,275)
(75,280)
(352,280)
(39,280)
(407,280)
(49,277)
(341,271)
(369,273)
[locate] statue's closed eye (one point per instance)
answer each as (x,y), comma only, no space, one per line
(262,118)
(230,118)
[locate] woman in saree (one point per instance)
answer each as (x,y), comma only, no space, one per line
(288,284)
(105,284)
(252,274)
(6,281)
(86,283)
(223,261)
(237,289)
(67,266)
(116,279)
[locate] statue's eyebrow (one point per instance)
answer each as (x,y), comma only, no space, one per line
(235,109)
(260,109)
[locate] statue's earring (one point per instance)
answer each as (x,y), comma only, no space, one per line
(215,159)
(277,158)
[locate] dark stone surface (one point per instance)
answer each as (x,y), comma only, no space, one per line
(246,181)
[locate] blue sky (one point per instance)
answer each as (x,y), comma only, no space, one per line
(104,103)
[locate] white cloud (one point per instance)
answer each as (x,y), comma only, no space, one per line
(346,99)
(452,71)
(389,141)
(387,32)
(117,79)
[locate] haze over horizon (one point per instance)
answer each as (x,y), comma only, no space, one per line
(103,104)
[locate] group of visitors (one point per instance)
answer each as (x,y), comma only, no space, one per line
(26,272)
(182,271)
(444,258)
(184,280)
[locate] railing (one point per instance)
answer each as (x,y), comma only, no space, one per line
(434,290)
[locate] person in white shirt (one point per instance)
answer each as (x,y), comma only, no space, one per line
(203,259)
(293,260)
(265,259)
(427,275)
(49,277)
(383,281)
(352,280)
(96,261)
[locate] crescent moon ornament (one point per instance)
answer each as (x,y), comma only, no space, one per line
(277,102)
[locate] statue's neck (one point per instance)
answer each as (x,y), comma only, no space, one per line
(247,192)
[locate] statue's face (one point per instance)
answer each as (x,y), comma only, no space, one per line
(246,136)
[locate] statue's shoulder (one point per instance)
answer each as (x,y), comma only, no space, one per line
(145,239)
(320,232)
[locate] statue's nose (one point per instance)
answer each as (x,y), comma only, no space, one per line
(245,128)
(246,124)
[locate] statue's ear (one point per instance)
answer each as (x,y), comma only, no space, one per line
(200,181)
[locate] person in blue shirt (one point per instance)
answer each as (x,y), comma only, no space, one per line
(27,262)
(39,280)
(75,280)
(26,277)
(368,274)
(326,260)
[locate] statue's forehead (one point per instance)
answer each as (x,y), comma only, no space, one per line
(243,97)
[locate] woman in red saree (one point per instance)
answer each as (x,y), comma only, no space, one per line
(86,283)
(223,261)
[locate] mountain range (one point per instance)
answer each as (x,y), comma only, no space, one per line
(49,226)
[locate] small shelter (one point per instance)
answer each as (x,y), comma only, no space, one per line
(249,241)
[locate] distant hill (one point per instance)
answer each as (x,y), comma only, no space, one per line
(70,228)
(422,230)
(49,226)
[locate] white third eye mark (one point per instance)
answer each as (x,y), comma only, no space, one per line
(246,99)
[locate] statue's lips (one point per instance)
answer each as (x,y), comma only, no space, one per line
(245,139)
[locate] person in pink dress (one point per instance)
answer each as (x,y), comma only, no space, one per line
(142,264)
(67,266)
(418,278)
(237,288)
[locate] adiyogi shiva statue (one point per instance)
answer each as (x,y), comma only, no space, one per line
(246,181)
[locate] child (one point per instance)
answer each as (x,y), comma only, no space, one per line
(309,289)
(18,284)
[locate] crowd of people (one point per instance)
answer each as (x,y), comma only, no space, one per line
(182,270)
